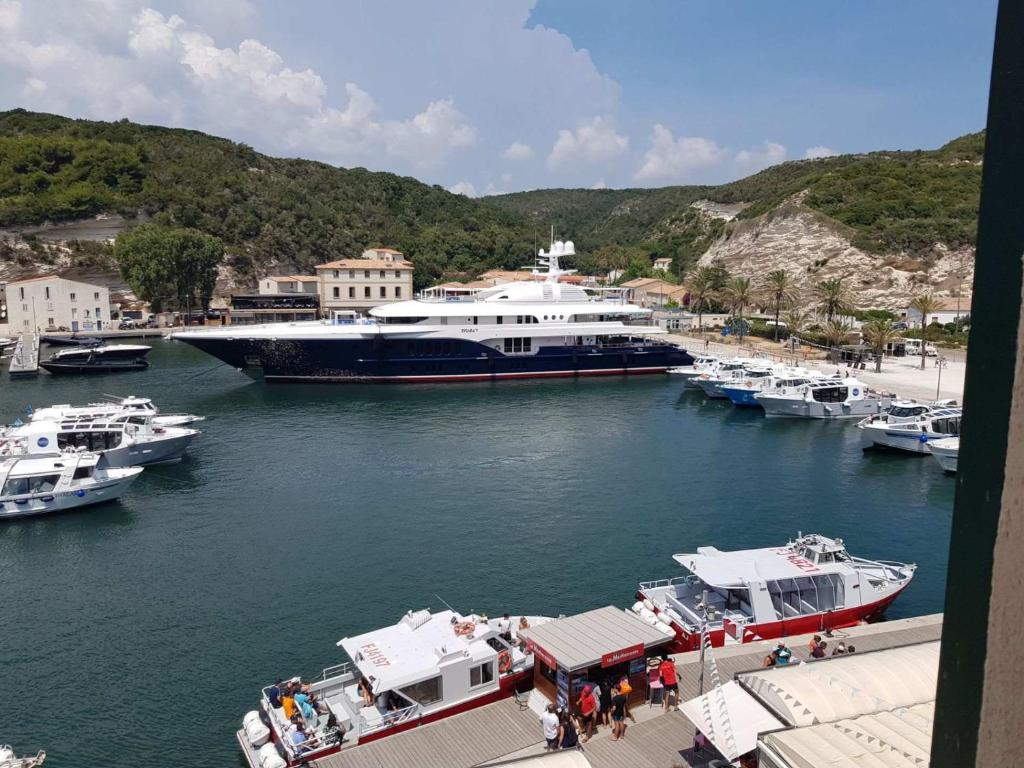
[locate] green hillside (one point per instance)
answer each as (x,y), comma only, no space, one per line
(286,212)
(893,201)
(289,214)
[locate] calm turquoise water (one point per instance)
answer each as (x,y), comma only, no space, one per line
(139,633)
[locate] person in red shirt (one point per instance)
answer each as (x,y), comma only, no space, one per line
(667,672)
(588,706)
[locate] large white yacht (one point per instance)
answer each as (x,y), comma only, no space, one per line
(537,328)
(910,426)
(832,398)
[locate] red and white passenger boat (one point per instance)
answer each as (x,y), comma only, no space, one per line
(426,667)
(810,585)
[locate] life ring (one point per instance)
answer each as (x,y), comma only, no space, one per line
(504,662)
(465,628)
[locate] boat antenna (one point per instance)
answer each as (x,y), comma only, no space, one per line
(445,603)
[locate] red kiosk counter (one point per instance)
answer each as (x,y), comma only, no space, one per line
(599,646)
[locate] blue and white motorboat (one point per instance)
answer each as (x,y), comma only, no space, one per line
(911,426)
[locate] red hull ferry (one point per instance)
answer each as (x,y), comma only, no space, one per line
(811,584)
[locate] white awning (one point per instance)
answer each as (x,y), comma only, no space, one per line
(731,719)
(562,759)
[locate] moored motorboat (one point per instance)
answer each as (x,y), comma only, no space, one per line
(10,759)
(35,480)
(541,328)
(700,365)
(832,398)
(114,406)
(910,426)
(102,359)
(946,451)
(72,341)
(811,584)
(729,371)
(742,392)
(426,667)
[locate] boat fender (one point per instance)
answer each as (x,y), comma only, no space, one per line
(504,662)
(648,604)
(923,438)
(646,614)
(255,731)
(637,606)
(269,757)
(666,630)
(664,619)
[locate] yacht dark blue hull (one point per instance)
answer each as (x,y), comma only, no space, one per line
(379,359)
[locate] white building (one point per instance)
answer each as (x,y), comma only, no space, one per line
(947,310)
(663,264)
(51,302)
(290,284)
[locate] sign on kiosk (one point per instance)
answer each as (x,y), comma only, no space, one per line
(541,654)
(626,654)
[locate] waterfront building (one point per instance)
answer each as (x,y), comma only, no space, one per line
(948,309)
(51,302)
(254,309)
(309,284)
(654,293)
(378,276)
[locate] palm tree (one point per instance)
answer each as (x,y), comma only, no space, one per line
(878,333)
(701,286)
(925,304)
(738,294)
(796,320)
(835,333)
(833,297)
(780,291)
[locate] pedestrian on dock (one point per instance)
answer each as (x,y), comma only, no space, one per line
(670,682)
(551,726)
(568,733)
(600,713)
(588,709)
(618,714)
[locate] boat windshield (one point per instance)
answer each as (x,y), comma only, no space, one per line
(905,412)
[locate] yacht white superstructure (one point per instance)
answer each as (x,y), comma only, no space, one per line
(116,405)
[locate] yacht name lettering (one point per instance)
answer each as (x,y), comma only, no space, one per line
(800,562)
(470,330)
(375,655)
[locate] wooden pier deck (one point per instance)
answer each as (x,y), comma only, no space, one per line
(25,361)
(501,732)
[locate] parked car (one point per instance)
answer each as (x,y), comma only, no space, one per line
(128,324)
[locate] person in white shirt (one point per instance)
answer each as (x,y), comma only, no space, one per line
(505,629)
(549,722)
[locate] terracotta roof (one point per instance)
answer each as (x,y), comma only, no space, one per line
(639,282)
(365,264)
(33,277)
(292,278)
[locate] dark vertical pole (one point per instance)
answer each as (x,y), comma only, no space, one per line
(996,311)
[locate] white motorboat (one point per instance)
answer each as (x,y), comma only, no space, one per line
(117,405)
(124,440)
(6,342)
(426,667)
(832,398)
(742,391)
(729,371)
(700,365)
(946,450)
(910,426)
(9,759)
(34,481)
(811,584)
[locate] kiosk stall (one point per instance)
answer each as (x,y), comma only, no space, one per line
(600,646)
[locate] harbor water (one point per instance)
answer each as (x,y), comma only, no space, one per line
(139,633)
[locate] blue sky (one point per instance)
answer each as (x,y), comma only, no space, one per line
(486,96)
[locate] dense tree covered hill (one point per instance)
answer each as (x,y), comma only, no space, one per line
(892,202)
(282,213)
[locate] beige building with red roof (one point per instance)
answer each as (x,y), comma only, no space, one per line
(378,276)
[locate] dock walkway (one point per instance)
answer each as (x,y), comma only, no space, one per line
(25,361)
(501,731)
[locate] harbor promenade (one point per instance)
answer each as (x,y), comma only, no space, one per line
(505,731)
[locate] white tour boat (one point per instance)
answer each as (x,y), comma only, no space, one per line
(112,407)
(527,329)
(946,450)
(811,584)
(426,667)
(743,392)
(910,426)
(833,398)
(700,365)
(731,371)
(124,439)
(34,481)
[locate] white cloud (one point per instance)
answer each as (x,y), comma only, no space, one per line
(675,159)
(463,188)
(592,142)
(599,184)
(517,151)
(816,153)
(770,153)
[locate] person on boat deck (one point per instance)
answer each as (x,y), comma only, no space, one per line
(505,629)
(366,690)
(288,704)
(782,654)
(819,651)
(550,725)
(299,736)
(305,705)
(274,694)
(813,643)
(587,705)
(523,624)
(840,649)
(770,660)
